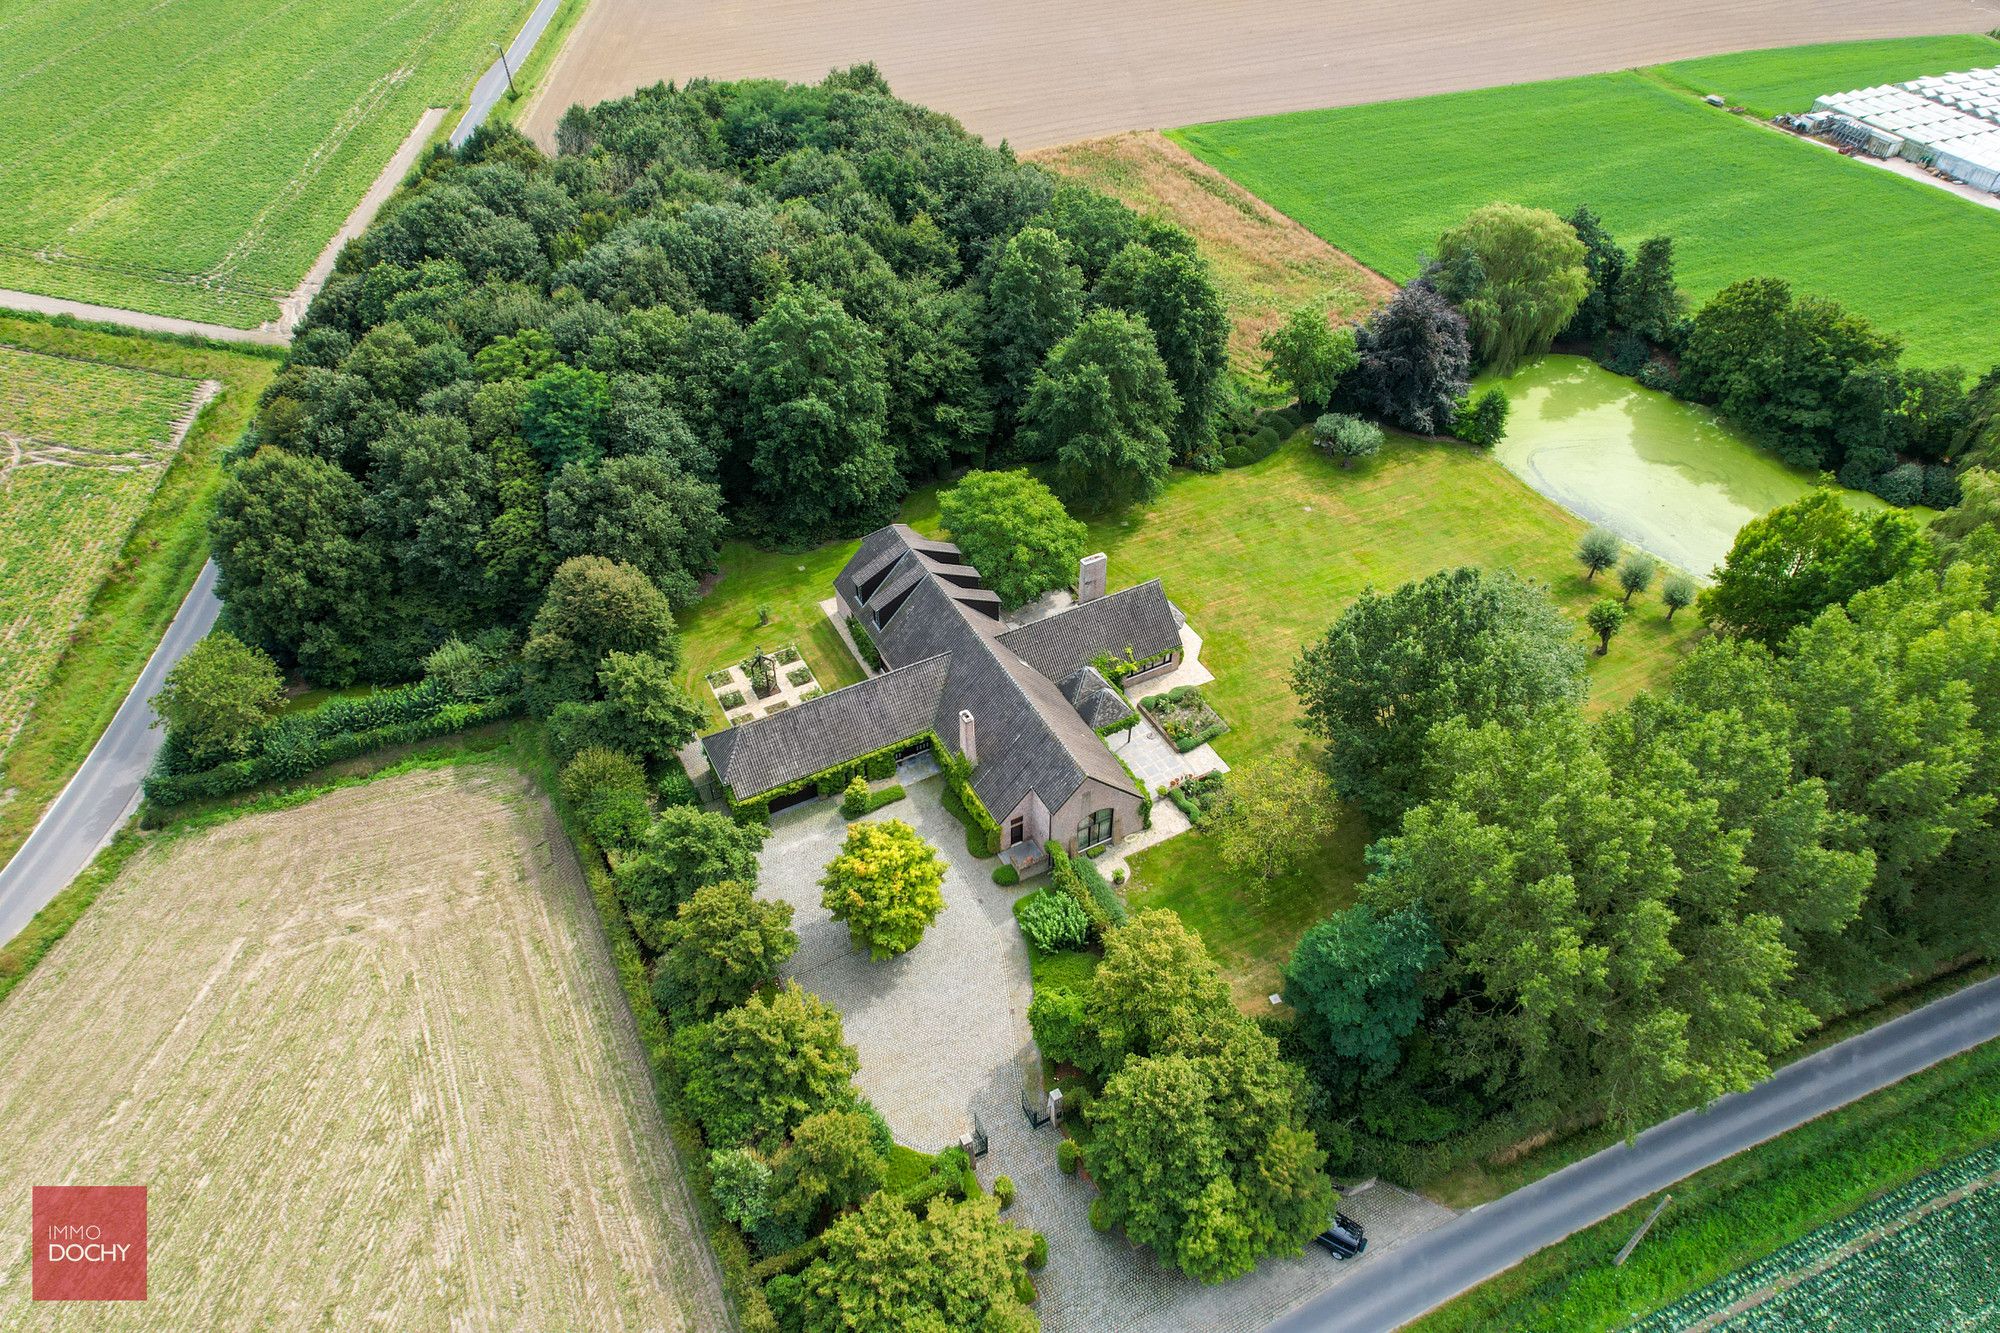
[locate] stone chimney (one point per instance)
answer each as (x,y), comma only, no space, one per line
(968,744)
(1090,577)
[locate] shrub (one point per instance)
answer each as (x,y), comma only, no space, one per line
(1060,1021)
(1625,353)
(885,885)
(217,700)
(787,654)
(854,801)
(1346,438)
(799,675)
(1483,422)
(618,820)
(740,1184)
(1005,875)
(675,787)
(1659,377)
(1063,878)
(1024,1288)
(1902,485)
(1038,1246)
(1941,489)
(1052,921)
(597,772)
(1068,1156)
(730,699)
(1003,1190)
(879,766)
(869,652)
(1108,904)
(1100,1215)
(1237,456)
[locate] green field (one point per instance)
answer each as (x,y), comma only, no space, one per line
(1771,83)
(193,159)
(1739,198)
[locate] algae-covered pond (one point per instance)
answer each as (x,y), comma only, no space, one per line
(1665,475)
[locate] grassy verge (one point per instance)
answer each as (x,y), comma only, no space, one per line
(1742,1209)
(1740,200)
(154,569)
(528,78)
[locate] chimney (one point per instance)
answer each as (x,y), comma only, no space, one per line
(1090,577)
(968,745)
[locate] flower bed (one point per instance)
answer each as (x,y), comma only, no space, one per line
(1197,796)
(1185,717)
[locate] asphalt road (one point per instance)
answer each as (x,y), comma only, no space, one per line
(494,81)
(1476,1245)
(106,789)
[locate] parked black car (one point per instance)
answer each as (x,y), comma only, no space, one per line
(1344,1239)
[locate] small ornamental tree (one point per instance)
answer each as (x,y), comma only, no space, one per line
(1346,438)
(1597,552)
(885,885)
(753,1073)
(1015,532)
(1483,422)
(1678,591)
(1605,619)
(1309,356)
(1273,812)
(684,850)
(722,945)
(1637,574)
(1413,361)
(217,699)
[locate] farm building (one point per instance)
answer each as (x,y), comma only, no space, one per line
(1947,121)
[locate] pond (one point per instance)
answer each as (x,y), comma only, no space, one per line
(1665,475)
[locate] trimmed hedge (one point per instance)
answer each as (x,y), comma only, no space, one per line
(859,801)
(1066,877)
(1100,891)
(295,745)
(982,830)
(862,640)
(1005,875)
(1126,723)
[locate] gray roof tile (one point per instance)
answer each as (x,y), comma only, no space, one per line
(1140,619)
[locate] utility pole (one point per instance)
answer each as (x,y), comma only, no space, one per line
(506,69)
(1640,1234)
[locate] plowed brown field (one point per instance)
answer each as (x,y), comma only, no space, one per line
(371,1059)
(1041,72)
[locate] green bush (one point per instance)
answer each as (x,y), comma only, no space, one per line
(1052,921)
(675,787)
(1237,456)
(1061,1024)
(1068,1157)
(1064,879)
(1024,1288)
(597,772)
(1100,1215)
(1109,904)
(1003,1190)
(869,652)
(1346,438)
(1483,421)
(1005,875)
(854,801)
(1038,1247)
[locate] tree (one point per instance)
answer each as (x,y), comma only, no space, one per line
(832,1163)
(1347,438)
(884,1267)
(1597,551)
(643,512)
(1604,263)
(1413,361)
(1309,356)
(722,944)
(216,700)
(1172,292)
(1645,299)
(1461,643)
(1100,407)
(1035,300)
(885,885)
(593,607)
(1605,619)
(740,1183)
(642,710)
(1015,532)
(1677,591)
(1636,574)
(1272,814)
(752,1074)
(685,850)
(815,403)
(1356,983)
(1786,567)
(1155,990)
(1534,279)
(562,416)
(1483,423)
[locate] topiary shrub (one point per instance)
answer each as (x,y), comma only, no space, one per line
(1941,489)
(1005,875)
(1003,1190)
(1038,1247)
(1068,1158)
(675,787)
(1901,485)
(1024,1289)
(1100,1215)
(854,801)
(1237,456)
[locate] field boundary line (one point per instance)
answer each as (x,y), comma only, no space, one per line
(34,303)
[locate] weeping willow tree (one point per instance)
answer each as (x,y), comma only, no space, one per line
(1518,275)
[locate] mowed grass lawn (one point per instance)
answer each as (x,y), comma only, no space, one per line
(1740,199)
(1261,559)
(193,159)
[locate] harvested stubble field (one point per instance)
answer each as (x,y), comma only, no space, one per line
(1740,199)
(82,446)
(371,1058)
(192,159)
(1040,72)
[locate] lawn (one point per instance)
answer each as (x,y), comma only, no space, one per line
(1740,199)
(193,159)
(1740,1210)
(1787,79)
(103,526)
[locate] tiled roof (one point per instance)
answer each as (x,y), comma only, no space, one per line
(1095,701)
(814,736)
(1139,619)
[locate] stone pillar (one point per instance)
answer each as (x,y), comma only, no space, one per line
(1090,577)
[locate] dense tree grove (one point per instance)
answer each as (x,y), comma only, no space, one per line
(752,307)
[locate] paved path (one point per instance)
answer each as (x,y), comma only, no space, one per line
(494,81)
(1490,1239)
(106,789)
(138,319)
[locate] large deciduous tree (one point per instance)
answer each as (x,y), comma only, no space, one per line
(1604,262)
(1035,299)
(1172,292)
(1101,408)
(1533,279)
(1273,812)
(593,607)
(1015,532)
(1787,566)
(1413,361)
(685,850)
(217,699)
(884,1266)
(641,511)
(752,1074)
(723,943)
(885,884)
(1356,983)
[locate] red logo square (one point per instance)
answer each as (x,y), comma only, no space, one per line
(90,1242)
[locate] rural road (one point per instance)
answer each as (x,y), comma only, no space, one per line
(1489,1239)
(104,791)
(138,319)
(494,81)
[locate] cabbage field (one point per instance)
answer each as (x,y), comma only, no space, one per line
(82,447)
(1921,1257)
(192,159)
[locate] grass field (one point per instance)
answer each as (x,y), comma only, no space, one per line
(1735,1213)
(1740,199)
(193,159)
(1771,83)
(370,1057)
(96,560)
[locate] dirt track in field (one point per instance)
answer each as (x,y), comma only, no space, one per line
(371,1058)
(1040,72)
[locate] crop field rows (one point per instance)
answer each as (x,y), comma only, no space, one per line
(192,159)
(1740,199)
(82,445)
(1922,1256)
(370,1057)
